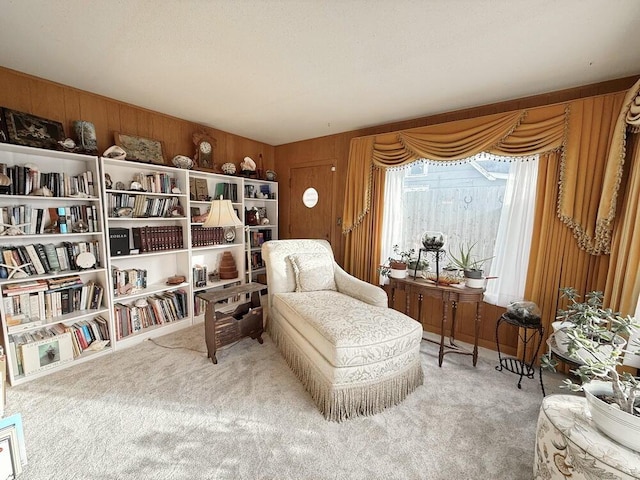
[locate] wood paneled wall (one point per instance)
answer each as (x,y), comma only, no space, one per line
(336,147)
(65,104)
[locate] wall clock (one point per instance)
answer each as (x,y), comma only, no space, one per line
(205,144)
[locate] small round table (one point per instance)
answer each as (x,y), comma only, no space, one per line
(568,445)
(520,366)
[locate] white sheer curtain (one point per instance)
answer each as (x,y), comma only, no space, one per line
(393,212)
(513,242)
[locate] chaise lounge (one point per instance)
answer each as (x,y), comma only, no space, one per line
(352,353)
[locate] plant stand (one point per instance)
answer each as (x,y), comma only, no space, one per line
(520,366)
(437,255)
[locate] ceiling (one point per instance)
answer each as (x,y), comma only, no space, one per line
(279,71)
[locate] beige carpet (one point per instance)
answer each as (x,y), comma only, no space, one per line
(158,413)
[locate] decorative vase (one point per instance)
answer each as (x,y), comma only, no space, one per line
(620,426)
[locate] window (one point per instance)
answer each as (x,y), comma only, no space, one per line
(483,200)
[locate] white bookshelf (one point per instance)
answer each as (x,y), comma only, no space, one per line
(34,322)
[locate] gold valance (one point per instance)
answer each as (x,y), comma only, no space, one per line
(581,130)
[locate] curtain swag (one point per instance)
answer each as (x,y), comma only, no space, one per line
(581,130)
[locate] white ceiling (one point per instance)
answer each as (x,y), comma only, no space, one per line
(278,71)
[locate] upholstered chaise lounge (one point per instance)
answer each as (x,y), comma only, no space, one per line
(353,354)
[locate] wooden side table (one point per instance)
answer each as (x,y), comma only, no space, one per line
(450,296)
(222,329)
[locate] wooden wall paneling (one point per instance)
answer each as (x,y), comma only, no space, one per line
(71,100)
(15,92)
(113,125)
(144,126)
(128,120)
(48,100)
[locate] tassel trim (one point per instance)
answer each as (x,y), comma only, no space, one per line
(342,402)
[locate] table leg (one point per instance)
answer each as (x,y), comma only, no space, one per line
(443,325)
(477,332)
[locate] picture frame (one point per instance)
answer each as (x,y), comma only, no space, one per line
(33,131)
(140,149)
(4,134)
(10,462)
(14,422)
(47,353)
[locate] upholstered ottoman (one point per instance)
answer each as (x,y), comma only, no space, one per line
(353,354)
(568,445)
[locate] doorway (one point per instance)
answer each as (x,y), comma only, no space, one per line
(315,220)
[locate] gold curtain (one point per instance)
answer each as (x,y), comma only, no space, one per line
(573,140)
(623,282)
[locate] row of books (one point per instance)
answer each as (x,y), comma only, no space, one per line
(25,180)
(154,239)
(57,342)
(33,221)
(257,238)
(30,308)
(203,236)
(199,275)
(40,259)
(141,205)
(162,308)
(156,182)
(126,282)
(256,260)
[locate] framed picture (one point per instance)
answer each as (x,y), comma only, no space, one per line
(47,353)
(32,131)
(10,466)
(11,429)
(140,149)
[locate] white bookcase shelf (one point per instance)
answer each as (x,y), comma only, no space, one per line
(46,342)
(48,318)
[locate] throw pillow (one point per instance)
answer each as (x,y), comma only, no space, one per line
(313,271)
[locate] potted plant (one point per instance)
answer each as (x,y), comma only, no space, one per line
(396,266)
(592,335)
(470,265)
(418,267)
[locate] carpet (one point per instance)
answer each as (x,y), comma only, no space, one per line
(154,412)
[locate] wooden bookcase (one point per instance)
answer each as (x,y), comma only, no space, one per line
(53,284)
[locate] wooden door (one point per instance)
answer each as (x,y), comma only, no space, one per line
(317,221)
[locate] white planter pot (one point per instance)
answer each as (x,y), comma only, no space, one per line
(620,426)
(398,273)
(475,282)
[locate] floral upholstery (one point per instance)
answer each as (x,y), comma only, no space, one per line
(346,331)
(568,445)
(353,354)
(313,271)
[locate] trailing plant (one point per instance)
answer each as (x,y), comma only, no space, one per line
(592,340)
(401,257)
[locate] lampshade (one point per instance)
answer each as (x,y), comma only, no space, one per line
(221,214)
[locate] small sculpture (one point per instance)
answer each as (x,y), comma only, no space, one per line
(228,168)
(182,161)
(270,175)
(116,152)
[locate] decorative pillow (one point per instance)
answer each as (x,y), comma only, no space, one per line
(313,271)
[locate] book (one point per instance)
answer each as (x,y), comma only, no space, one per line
(62,220)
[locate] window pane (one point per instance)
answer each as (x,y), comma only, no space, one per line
(461,200)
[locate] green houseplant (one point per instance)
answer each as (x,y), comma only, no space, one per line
(593,336)
(396,265)
(467,262)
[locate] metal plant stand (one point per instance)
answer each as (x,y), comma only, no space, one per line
(440,253)
(519,366)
